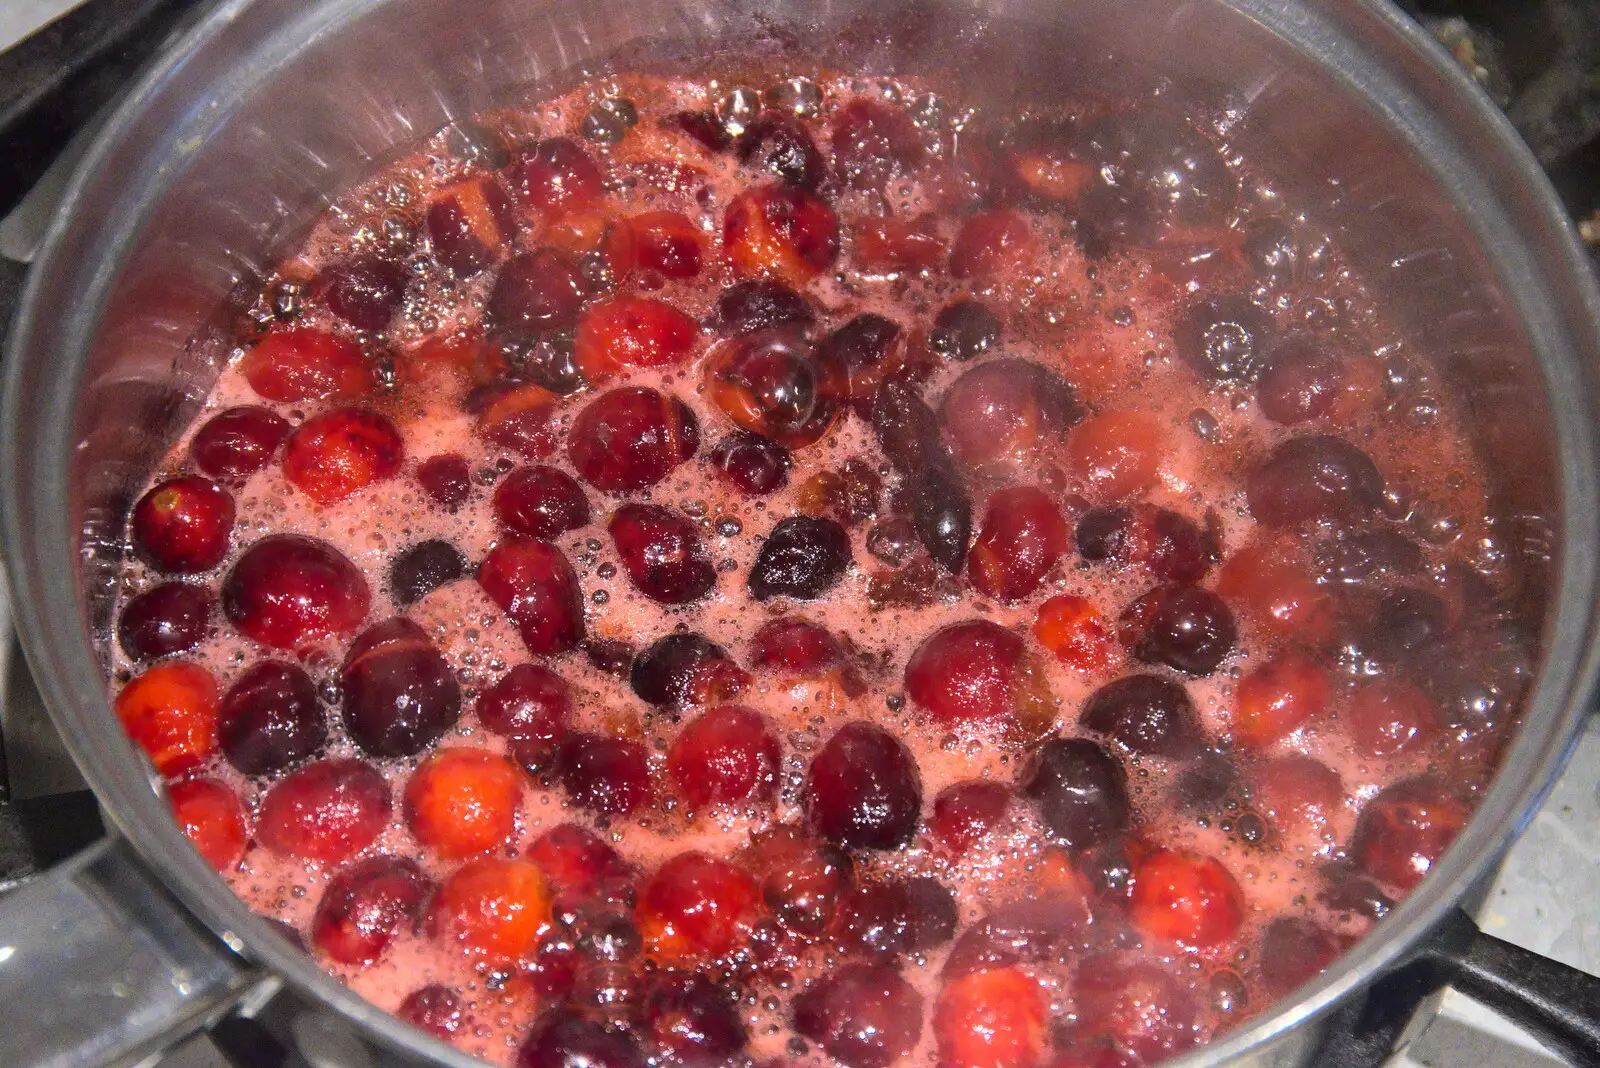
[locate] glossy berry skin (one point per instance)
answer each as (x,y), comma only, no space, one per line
(173,617)
(870,348)
(697,908)
(170,711)
(864,789)
(575,861)
(340,453)
(366,905)
(1223,339)
(727,755)
(1147,714)
(1300,381)
(1081,791)
(990,1019)
(975,672)
(760,304)
(872,142)
(992,244)
(803,558)
(556,175)
(1295,792)
(1314,479)
(1184,627)
(468,224)
(446,479)
(183,525)
(1278,698)
(966,811)
(1276,593)
(603,774)
(463,802)
(1185,898)
(802,879)
(1169,546)
(212,817)
(364,292)
(237,443)
(270,718)
(883,919)
(290,591)
(779,232)
(752,464)
(1388,718)
(399,693)
(618,335)
(304,363)
(1294,950)
(535,586)
(1006,410)
(433,1009)
(662,552)
(666,242)
(773,383)
(684,668)
(793,646)
(1023,536)
(630,439)
(1073,629)
(520,421)
(1138,1005)
(563,1040)
(1403,831)
(779,147)
(964,330)
(491,909)
(862,1015)
(694,1020)
(540,502)
(536,293)
(327,811)
(898,244)
(423,568)
(530,701)
(1116,455)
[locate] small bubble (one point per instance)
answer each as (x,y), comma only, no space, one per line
(729,527)
(798,96)
(606,570)
(599,597)
(1205,426)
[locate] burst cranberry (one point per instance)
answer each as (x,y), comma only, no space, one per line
(574,860)
(521,420)
(752,464)
(992,243)
(170,618)
(897,244)
(423,568)
(432,1008)
(1314,479)
(870,348)
(990,1019)
(704,127)
(1300,381)
(779,147)
(1170,546)
(340,453)
(399,694)
(1404,830)
(725,756)
(605,774)
(1006,409)
(1223,339)
(804,557)
(976,672)
(170,711)
(557,175)
(211,816)
(666,242)
(863,1016)
(1276,593)
(1081,791)
(694,1020)
(303,363)
(686,669)
(1293,951)
(237,443)
(468,224)
(1184,627)
(622,333)
(446,479)
(1075,631)
(536,293)
(1116,455)
(366,905)
(363,292)
(1295,792)
(183,525)
(540,502)
(630,439)
(782,233)
(528,702)
(535,586)
(794,646)
(563,1040)
(270,718)
(873,142)
(1023,536)
(864,789)
(760,304)
(801,879)
(325,811)
(491,909)
(697,907)
(771,383)
(462,802)
(965,812)
(1278,698)
(1147,714)
(1185,898)
(1388,718)
(1139,1005)
(289,591)
(662,553)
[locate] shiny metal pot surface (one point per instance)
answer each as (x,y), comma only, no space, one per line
(233,143)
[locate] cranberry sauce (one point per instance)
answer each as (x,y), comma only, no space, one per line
(806,572)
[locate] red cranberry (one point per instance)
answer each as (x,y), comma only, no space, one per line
(535,586)
(1149,715)
(630,439)
(1223,339)
(289,591)
(270,718)
(1295,792)
(1072,628)
(873,142)
(760,304)
(1116,455)
(697,907)
(340,453)
(575,861)
(446,479)
(521,420)
(166,619)
(885,919)
(557,175)
(1184,627)
(1153,179)
(468,224)
(693,1020)
(863,789)
(1389,717)
(540,502)
(528,702)
(804,557)
(801,878)
(326,811)
(183,525)
(992,243)
(973,672)
(667,243)
(363,292)
(1007,409)
(1170,546)
(536,293)
(863,1016)
(211,816)
(779,147)
(432,1008)
(623,333)
(366,905)
(993,1018)
(725,756)
(564,1040)
(303,363)
(423,568)
(400,695)
(605,774)
(1299,381)
(1278,697)
(898,244)
(684,668)
(870,348)
(238,442)
(1294,950)
(1314,479)
(662,553)
(772,383)
(1022,538)
(794,646)
(754,465)
(1185,898)
(1081,791)
(1140,1006)
(966,811)
(779,232)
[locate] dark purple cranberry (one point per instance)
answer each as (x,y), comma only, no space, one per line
(662,553)
(1171,546)
(611,657)
(364,293)
(804,557)
(400,695)
(528,702)
(563,1039)
(780,146)
(1301,380)
(166,619)
(1147,714)
(1223,339)
(866,348)
(183,525)
(1207,783)
(863,1016)
(1183,627)
(907,430)
(874,921)
(629,439)
(423,568)
(1314,479)
(1408,622)
(238,442)
(661,675)
(1362,557)
(446,479)
(941,514)
(604,774)
(746,307)
(704,127)
(540,502)
(964,330)
(270,718)
(1294,950)
(872,142)
(366,905)
(1102,533)
(433,1008)
(536,293)
(934,912)
(1347,890)
(864,789)
(751,463)
(1279,253)
(1081,791)
(693,1020)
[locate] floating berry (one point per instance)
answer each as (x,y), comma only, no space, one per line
(423,568)
(338,454)
(794,646)
(170,711)
(1185,898)
(1223,339)
(992,244)
(1294,950)
(630,439)
(1073,629)
(617,335)
(535,586)
(399,693)
(556,175)
(540,502)
(662,552)
(897,244)
(990,1019)
(289,591)
(870,348)
(434,1009)
(773,383)
(468,224)
(760,304)
(802,879)
(694,1020)
(978,673)
(1149,715)
(887,918)
(1295,792)
(1403,831)
(1081,791)
(364,292)
(173,617)
(779,232)
(966,811)
(536,294)
(237,443)
(491,909)
(182,525)
(1007,410)
(1388,718)
(754,465)
(686,669)
(873,142)
(864,789)
(697,908)
(727,755)
(779,147)
(446,479)
(463,802)
(804,557)
(1170,546)
(603,774)
(1138,1005)
(1023,536)
(366,906)
(1184,627)
(211,816)
(1300,381)
(529,702)
(575,861)
(563,1040)
(666,242)
(1116,455)
(1278,698)
(1154,179)
(863,1016)
(270,718)
(1314,479)
(521,420)
(304,363)
(1272,589)
(326,811)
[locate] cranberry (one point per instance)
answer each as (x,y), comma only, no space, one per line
(752,464)
(1081,791)
(630,439)
(725,756)
(779,232)
(1139,1005)
(623,333)
(366,905)
(1073,629)
(289,591)
(1314,479)
(468,224)
(964,330)
(237,443)
(303,363)
(804,557)
(662,553)
(1408,622)
(535,586)
(1294,792)
(863,1015)
(907,430)
(270,718)
(1007,409)
(873,142)
(977,672)
(992,243)
(1184,627)
(423,568)
(556,175)
(697,907)
(1170,546)
(1116,455)
(1149,715)
(1223,339)
(706,129)
(885,919)
(966,811)
(772,383)
(182,525)
(520,420)
(869,348)
(1278,698)
(1279,254)
(399,694)
(1185,898)
(1267,584)
(1154,179)
(528,702)
(667,243)
(540,502)
(605,774)
(801,879)
(694,1020)
(863,789)
(1299,381)
(326,811)
(463,802)
(779,147)
(668,671)
(1388,718)
(211,816)
(170,618)
(1366,557)
(536,293)
(446,479)
(1023,536)
(1293,951)
(898,244)
(363,292)
(340,453)
(850,495)
(794,646)
(760,304)
(491,909)
(990,1019)
(563,1040)
(574,860)
(432,1008)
